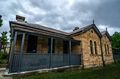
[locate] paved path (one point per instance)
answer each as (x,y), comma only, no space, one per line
(2,70)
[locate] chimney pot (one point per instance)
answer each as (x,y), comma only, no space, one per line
(20,18)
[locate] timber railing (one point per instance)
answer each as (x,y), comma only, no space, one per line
(34,61)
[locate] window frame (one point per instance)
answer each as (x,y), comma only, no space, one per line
(95,47)
(108,49)
(105,49)
(91,47)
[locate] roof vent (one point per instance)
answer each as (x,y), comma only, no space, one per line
(76,28)
(20,18)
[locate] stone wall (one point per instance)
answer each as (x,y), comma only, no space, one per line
(58,46)
(42,45)
(90,60)
(77,49)
(18,44)
(108,56)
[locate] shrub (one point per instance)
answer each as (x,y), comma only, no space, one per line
(3,56)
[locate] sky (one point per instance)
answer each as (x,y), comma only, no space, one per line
(63,15)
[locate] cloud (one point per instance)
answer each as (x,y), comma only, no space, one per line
(109,29)
(64,14)
(108,13)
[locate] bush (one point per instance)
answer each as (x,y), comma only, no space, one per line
(3,59)
(3,56)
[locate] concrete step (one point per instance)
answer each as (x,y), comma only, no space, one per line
(2,72)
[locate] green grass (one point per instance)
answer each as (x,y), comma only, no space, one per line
(109,72)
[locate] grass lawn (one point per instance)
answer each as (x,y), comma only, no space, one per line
(109,72)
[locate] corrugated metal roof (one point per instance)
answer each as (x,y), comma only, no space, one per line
(86,28)
(83,29)
(40,27)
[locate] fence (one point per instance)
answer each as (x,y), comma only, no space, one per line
(33,61)
(116,55)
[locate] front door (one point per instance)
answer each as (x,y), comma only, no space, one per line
(32,44)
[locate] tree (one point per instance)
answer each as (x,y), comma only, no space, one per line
(116,40)
(0,26)
(4,40)
(1,21)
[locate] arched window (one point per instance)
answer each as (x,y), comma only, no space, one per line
(95,47)
(105,49)
(108,48)
(91,47)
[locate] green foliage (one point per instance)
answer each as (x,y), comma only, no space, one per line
(116,40)
(3,58)
(3,55)
(4,40)
(1,21)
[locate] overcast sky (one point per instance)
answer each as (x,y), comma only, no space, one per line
(63,14)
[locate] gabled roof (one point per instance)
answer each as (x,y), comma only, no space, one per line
(78,31)
(86,28)
(107,34)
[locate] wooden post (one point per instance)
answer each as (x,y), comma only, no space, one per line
(21,51)
(12,50)
(51,48)
(69,52)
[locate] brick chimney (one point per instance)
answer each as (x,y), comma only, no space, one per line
(20,18)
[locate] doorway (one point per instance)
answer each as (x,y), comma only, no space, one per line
(65,46)
(32,44)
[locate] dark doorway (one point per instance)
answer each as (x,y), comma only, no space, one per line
(65,46)
(32,44)
(53,50)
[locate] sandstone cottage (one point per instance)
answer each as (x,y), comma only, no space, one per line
(35,46)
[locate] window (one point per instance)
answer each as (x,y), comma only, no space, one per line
(91,47)
(95,47)
(105,49)
(91,31)
(108,48)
